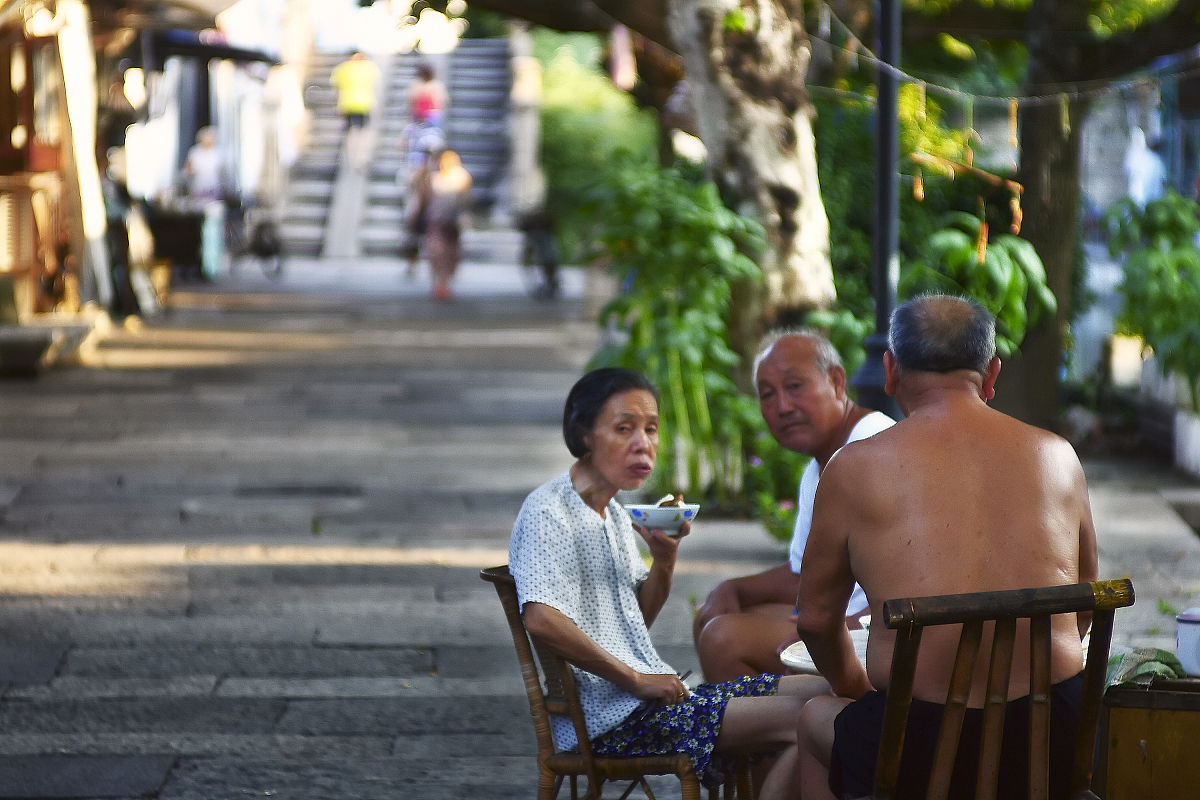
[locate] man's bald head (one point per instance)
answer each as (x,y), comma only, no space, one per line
(940,333)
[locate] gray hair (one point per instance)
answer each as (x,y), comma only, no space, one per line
(942,333)
(827,356)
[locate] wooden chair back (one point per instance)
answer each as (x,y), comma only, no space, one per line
(554,692)
(910,615)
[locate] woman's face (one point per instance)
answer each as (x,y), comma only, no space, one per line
(623,442)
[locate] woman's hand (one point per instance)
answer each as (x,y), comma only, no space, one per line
(665,689)
(663,546)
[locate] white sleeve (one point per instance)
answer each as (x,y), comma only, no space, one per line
(543,560)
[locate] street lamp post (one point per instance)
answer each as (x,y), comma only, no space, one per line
(885,240)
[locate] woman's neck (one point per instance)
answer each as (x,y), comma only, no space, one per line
(595,491)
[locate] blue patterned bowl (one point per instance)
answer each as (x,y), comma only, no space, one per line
(666,518)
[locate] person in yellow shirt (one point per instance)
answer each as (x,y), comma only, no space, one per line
(355,80)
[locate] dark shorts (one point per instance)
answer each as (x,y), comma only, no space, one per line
(356,120)
(690,727)
(856,746)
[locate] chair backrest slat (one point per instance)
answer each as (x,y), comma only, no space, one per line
(1039,707)
(895,714)
(994,703)
(1095,673)
(908,616)
(957,698)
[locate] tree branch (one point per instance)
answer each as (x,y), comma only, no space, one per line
(582,16)
(1133,50)
(647,17)
(964,21)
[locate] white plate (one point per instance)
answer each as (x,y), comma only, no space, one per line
(797,659)
(666,518)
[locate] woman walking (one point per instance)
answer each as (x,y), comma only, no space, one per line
(445,214)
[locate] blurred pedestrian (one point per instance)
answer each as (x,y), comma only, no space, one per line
(424,149)
(356,80)
(204,174)
(427,98)
(445,215)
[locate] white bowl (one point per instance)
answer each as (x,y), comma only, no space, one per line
(665,518)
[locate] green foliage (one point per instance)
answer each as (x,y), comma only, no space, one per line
(1004,274)
(1116,16)
(676,250)
(585,121)
(1161,282)
(1166,608)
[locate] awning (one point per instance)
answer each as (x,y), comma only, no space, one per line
(202,45)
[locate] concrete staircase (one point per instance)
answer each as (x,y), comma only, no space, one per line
(311,183)
(478,79)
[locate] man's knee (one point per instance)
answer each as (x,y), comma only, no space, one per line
(724,637)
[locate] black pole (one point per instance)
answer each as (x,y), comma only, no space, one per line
(885,241)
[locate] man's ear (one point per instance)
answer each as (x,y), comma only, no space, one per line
(891,373)
(837,376)
(989,379)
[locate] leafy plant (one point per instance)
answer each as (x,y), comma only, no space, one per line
(1004,274)
(585,121)
(1161,281)
(675,248)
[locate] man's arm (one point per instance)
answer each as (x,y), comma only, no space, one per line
(775,585)
(565,638)
(826,583)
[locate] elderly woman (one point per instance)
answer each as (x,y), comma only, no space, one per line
(585,591)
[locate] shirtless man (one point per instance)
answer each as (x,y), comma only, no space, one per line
(956,498)
(746,622)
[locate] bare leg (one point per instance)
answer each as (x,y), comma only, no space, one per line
(733,645)
(815,736)
(752,724)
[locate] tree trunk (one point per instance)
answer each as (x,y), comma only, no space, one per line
(746,67)
(1028,387)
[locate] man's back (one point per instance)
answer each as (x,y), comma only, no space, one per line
(961,498)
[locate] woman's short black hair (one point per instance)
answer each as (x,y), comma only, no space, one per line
(588,396)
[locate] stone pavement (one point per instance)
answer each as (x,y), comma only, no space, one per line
(239,546)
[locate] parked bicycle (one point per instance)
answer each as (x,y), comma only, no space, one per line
(251,232)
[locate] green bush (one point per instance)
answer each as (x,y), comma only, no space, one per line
(1161,281)
(585,121)
(676,249)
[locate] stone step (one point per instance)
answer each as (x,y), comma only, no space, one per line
(383,215)
(307,214)
(299,232)
(311,190)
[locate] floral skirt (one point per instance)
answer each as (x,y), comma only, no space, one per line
(690,727)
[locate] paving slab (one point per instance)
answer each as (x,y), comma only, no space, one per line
(246,661)
(451,777)
(495,715)
(57,776)
(415,686)
(155,715)
(74,686)
(31,663)
(201,745)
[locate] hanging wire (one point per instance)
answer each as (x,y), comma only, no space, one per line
(1055,93)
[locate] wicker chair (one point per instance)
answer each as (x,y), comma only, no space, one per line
(910,616)
(561,697)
